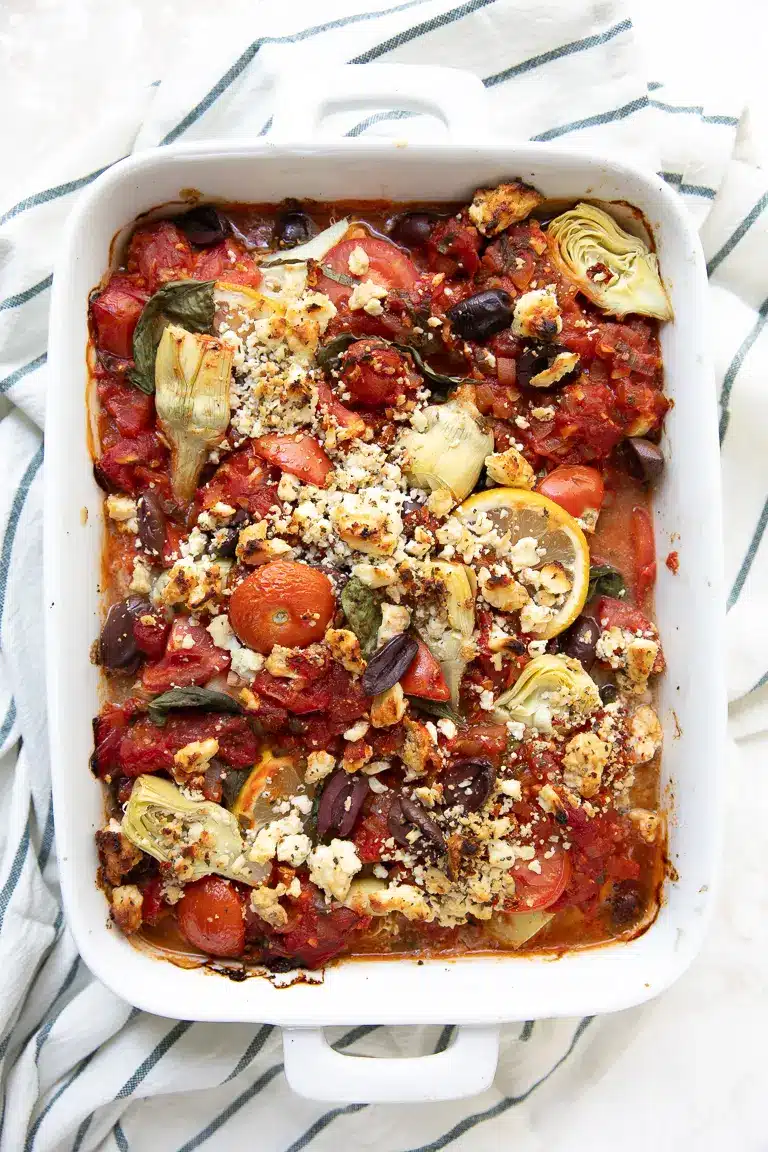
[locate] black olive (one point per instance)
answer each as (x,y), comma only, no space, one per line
(117,646)
(478,317)
(102,479)
(340,804)
(646,459)
(412,229)
(204,226)
(626,903)
(293,227)
(407,814)
(281,964)
(151,524)
(227,543)
(581,640)
(468,784)
(390,663)
(609,693)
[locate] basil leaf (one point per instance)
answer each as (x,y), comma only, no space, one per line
(442,709)
(340,277)
(331,351)
(362,608)
(430,374)
(203,698)
(186,302)
(605,580)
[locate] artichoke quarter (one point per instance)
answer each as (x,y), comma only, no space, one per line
(614,270)
(449,451)
(192,379)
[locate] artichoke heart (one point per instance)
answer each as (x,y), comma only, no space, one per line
(613,269)
(448,633)
(192,378)
(551,690)
(450,451)
(196,837)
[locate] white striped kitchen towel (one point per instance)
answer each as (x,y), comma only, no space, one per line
(79,1069)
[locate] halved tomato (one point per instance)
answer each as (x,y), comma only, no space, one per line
(574,487)
(299,454)
(284,602)
(424,677)
(388,266)
(210,915)
(535,890)
(375,374)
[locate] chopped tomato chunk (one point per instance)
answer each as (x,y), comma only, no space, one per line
(182,666)
(115,315)
(160,252)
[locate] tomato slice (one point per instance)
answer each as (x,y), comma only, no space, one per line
(210,915)
(574,487)
(284,602)
(300,455)
(644,552)
(388,266)
(537,890)
(424,677)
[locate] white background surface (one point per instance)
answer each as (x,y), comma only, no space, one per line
(59,56)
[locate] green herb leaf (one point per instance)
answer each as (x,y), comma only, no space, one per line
(362,608)
(340,277)
(186,302)
(605,580)
(442,709)
(203,698)
(330,352)
(430,374)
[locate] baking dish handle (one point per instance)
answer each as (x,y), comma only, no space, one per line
(317,1071)
(456,97)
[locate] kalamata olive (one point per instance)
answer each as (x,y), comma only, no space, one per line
(117,646)
(646,460)
(468,784)
(581,640)
(626,903)
(204,226)
(412,229)
(532,360)
(102,479)
(609,693)
(406,814)
(390,663)
(225,545)
(151,524)
(480,316)
(340,803)
(293,227)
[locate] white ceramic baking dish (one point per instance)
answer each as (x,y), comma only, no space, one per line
(477,992)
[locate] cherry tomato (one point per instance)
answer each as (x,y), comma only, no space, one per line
(537,890)
(210,914)
(644,552)
(183,667)
(574,487)
(299,454)
(375,374)
(388,266)
(424,677)
(115,315)
(284,602)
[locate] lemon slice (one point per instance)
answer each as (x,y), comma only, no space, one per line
(519,515)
